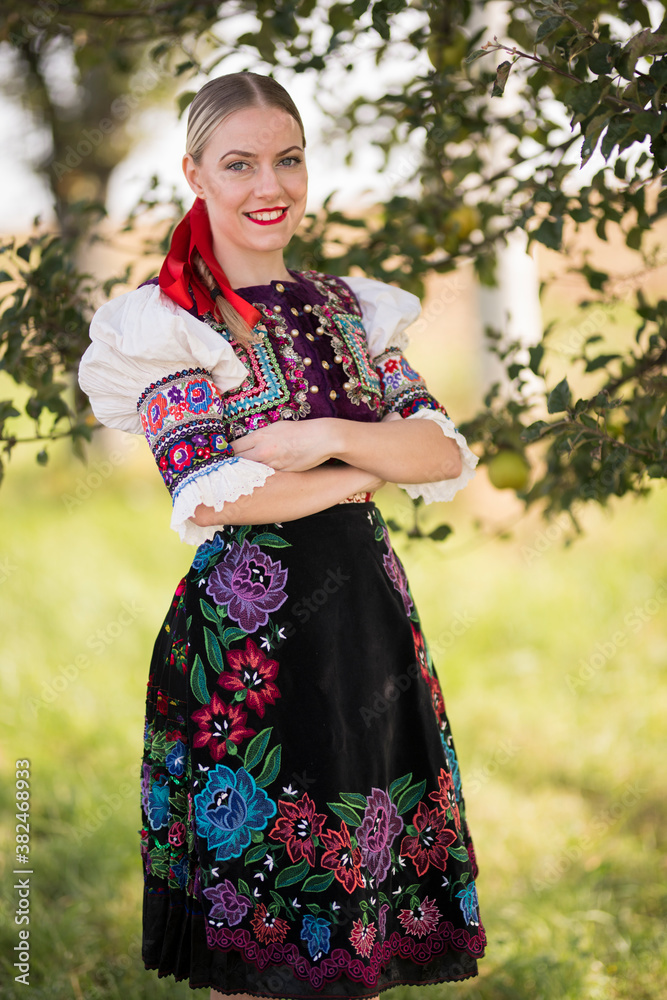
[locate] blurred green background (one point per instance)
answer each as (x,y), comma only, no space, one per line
(552,661)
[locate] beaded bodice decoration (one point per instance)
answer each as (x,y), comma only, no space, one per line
(312,362)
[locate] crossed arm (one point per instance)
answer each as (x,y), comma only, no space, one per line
(393,449)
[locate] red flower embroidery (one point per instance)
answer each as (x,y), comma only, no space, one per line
(391,365)
(429,846)
(297,825)
(162,703)
(342,858)
(268,928)
(445,797)
(420,652)
(420,920)
(219,722)
(181,455)
(436,696)
(362,938)
(253,673)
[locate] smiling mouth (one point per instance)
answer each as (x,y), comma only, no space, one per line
(267,217)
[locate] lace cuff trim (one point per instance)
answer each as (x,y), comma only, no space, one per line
(447,488)
(214,487)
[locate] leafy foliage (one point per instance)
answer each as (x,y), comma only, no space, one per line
(599,65)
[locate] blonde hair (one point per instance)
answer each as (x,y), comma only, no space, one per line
(217,100)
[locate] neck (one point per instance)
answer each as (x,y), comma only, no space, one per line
(249,268)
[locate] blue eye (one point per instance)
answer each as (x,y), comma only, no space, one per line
(291,160)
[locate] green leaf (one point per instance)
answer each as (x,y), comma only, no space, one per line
(255,854)
(208,612)
(399,785)
(184,101)
(648,123)
(440,533)
(354,799)
(232,634)
(257,748)
(476,54)
(559,398)
(273,541)
(245,888)
(271,768)
(500,81)
(410,797)
(549,232)
(213,650)
(460,853)
(288,876)
(346,813)
(318,883)
(198,681)
(589,421)
(600,362)
(536,354)
(548,26)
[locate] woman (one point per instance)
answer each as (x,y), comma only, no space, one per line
(304,832)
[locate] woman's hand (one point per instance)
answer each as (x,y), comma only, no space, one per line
(289,445)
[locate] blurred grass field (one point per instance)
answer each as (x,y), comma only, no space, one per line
(553,663)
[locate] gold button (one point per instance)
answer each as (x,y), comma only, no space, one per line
(309,336)
(294,311)
(307,308)
(325,364)
(307,361)
(294,332)
(314,388)
(338,359)
(333,394)
(280,287)
(346,385)
(277,309)
(320,330)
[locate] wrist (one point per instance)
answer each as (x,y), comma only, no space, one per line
(337,438)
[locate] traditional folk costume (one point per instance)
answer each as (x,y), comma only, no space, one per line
(304,830)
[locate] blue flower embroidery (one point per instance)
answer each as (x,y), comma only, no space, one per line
(316,932)
(469,903)
(206,550)
(179,871)
(158,804)
(453,767)
(198,396)
(229,809)
(176,759)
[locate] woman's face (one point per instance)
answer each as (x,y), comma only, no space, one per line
(253,178)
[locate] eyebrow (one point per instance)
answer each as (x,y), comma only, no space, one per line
(253,156)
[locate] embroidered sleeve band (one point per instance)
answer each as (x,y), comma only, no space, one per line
(181,416)
(403,389)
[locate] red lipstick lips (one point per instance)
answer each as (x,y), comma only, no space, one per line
(265,211)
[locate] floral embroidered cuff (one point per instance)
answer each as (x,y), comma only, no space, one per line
(403,389)
(181,418)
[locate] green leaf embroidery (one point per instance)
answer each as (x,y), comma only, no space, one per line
(231,635)
(198,681)
(399,785)
(410,797)
(318,883)
(213,650)
(244,888)
(354,799)
(257,748)
(288,876)
(270,769)
(460,853)
(255,854)
(346,813)
(274,541)
(209,612)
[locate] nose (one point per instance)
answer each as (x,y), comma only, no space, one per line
(267,185)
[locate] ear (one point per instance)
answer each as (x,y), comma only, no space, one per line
(191,171)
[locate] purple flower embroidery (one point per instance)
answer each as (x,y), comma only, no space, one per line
(379,828)
(228,904)
(396,573)
(175,395)
(382,919)
(250,584)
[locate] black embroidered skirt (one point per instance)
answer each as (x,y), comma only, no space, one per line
(304,829)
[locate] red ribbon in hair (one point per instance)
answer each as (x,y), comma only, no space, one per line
(178,271)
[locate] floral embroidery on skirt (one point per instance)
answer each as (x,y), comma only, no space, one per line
(304,828)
